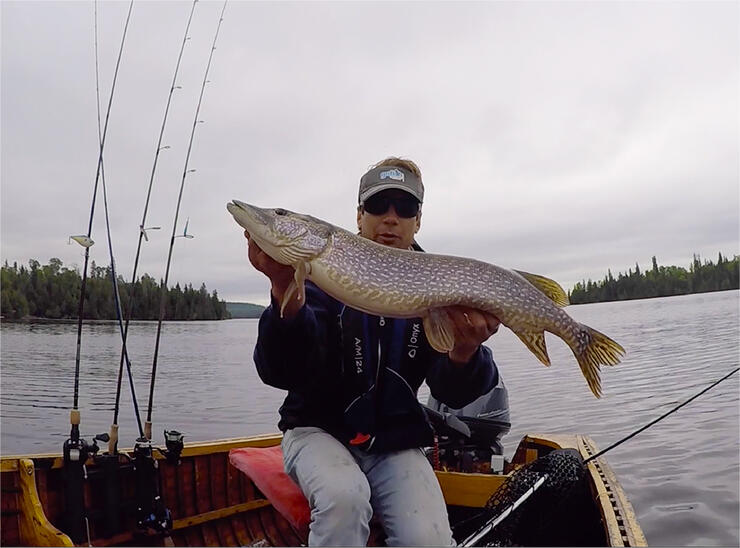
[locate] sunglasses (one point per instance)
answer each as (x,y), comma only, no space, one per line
(404,207)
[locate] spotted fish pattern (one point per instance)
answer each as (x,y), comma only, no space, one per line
(390,282)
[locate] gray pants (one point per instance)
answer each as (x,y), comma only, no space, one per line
(344,486)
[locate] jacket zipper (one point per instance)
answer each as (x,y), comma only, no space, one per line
(378,395)
(381,323)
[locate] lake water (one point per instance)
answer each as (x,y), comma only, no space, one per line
(682,475)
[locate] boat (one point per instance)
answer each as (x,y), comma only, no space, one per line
(211,502)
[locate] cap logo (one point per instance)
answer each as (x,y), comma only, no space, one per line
(395,174)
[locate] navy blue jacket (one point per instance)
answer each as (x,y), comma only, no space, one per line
(327,358)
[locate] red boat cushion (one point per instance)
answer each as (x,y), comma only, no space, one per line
(264,466)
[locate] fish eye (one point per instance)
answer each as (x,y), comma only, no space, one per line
(280,211)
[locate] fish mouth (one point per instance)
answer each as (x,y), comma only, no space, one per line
(236,205)
(247,215)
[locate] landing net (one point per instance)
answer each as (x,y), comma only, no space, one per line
(532,523)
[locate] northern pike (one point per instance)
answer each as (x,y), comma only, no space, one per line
(390,282)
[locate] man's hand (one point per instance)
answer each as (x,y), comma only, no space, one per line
(472,327)
(280,275)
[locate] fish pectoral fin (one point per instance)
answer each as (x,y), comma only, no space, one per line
(291,254)
(297,287)
(439,331)
(550,288)
(535,341)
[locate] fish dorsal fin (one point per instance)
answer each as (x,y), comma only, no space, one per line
(439,331)
(297,288)
(550,288)
(535,341)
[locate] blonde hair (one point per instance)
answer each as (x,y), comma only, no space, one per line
(393,161)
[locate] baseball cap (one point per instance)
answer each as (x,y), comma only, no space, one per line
(386,177)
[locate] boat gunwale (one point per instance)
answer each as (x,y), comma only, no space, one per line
(617,513)
(11,463)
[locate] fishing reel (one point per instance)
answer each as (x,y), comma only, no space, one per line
(159,518)
(151,511)
(76,451)
(174,442)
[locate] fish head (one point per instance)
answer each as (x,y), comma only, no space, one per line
(286,236)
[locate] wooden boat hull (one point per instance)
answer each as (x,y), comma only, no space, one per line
(214,504)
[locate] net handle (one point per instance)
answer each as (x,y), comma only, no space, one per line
(491,524)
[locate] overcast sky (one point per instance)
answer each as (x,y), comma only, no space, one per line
(559,138)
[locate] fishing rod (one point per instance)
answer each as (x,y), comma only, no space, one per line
(76,450)
(113,441)
(491,523)
(110,461)
(185,171)
(85,240)
(114,277)
(151,512)
(663,416)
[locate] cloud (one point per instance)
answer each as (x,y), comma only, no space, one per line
(554,137)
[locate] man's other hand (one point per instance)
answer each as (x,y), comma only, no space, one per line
(280,275)
(472,327)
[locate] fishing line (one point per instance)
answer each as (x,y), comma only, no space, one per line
(143,229)
(74,414)
(185,171)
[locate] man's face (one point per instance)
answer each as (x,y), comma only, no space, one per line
(389,228)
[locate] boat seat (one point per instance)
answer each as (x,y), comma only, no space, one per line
(264,466)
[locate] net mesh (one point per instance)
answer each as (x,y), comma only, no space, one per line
(534,521)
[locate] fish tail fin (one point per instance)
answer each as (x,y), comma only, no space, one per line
(535,341)
(593,349)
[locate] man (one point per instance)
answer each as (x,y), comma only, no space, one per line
(351,420)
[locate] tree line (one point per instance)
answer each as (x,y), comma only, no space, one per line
(53,291)
(661,281)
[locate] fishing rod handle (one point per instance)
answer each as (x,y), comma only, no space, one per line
(113,441)
(148,430)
